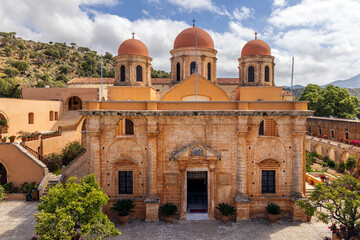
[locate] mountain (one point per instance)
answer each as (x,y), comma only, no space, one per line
(353,82)
(294,87)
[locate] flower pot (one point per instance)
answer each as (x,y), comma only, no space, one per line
(124,219)
(12,140)
(225,219)
(168,219)
(308,218)
(335,237)
(23,139)
(322,180)
(3,140)
(272,218)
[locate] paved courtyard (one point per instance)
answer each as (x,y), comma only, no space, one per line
(17,222)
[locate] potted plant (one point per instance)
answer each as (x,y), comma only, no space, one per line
(123,207)
(168,210)
(322,177)
(3,140)
(273,211)
(226,211)
(12,138)
(3,126)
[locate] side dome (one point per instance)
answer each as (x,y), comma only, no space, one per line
(256,47)
(187,38)
(133,47)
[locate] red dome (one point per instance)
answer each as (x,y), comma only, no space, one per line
(133,47)
(256,47)
(187,38)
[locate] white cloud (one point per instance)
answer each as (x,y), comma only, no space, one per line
(199,5)
(243,13)
(279,3)
(145,12)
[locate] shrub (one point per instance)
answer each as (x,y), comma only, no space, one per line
(341,167)
(11,72)
(28,187)
(350,163)
(2,193)
(273,208)
(308,168)
(331,163)
(54,163)
(168,209)
(21,66)
(226,209)
(123,207)
(70,152)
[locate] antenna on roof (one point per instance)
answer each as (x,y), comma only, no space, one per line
(196,68)
(101,94)
(193,21)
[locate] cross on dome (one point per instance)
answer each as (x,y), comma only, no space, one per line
(133,35)
(255,35)
(193,21)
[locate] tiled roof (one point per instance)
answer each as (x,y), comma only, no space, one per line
(76,81)
(228,81)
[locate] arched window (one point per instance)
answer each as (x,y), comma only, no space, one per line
(3,175)
(122,73)
(192,67)
(267,78)
(125,127)
(31,118)
(209,71)
(3,124)
(178,72)
(251,74)
(75,103)
(268,127)
(139,73)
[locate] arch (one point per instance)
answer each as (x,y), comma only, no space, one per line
(139,77)
(3,174)
(318,149)
(192,67)
(178,72)
(125,127)
(267,74)
(268,127)
(209,71)
(331,153)
(267,160)
(199,98)
(124,161)
(122,73)
(74,103)
(125,148)
(251,74)
(345,155)
(258,154)
(83,127)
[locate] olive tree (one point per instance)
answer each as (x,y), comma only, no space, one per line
(338,202)
(72,210)
(350,164)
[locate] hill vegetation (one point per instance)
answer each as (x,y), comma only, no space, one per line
(37,64)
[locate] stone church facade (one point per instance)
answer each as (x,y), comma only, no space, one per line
(198,150)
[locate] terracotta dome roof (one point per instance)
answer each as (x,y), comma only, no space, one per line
(256,47)
(133,47)
(187,38)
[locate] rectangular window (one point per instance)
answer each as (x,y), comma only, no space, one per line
(51,116)
(56,116)
(125,182)
(31,118)
(268,181)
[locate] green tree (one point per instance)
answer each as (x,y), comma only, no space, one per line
(7,51)
(331,101)
(159,74)
(71,151)
(350,164)
(338,202)
(21,66)
(73,209)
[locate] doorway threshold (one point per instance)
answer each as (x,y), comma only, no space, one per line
(197,217)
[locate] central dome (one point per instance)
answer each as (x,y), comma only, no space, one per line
(256,47)
(133,47)
(187,39)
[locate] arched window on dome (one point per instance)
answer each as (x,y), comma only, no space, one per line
(267,78)
(251,74)
(192,67)
(122,73)
(268,127)
(139,73)
(209,71)
(178,72)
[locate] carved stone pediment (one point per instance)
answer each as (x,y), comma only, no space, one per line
(196,151)
(268,163)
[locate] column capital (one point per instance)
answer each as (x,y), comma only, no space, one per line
(93,133)
(152,134)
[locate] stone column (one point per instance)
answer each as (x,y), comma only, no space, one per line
(242,200)
(93,134)
(183,201)
(297,173)
(212,192)
(152,200)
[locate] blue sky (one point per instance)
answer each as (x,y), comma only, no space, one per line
(323,35)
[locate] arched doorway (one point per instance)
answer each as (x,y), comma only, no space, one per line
(74,104)
(3,175)
(3,124)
